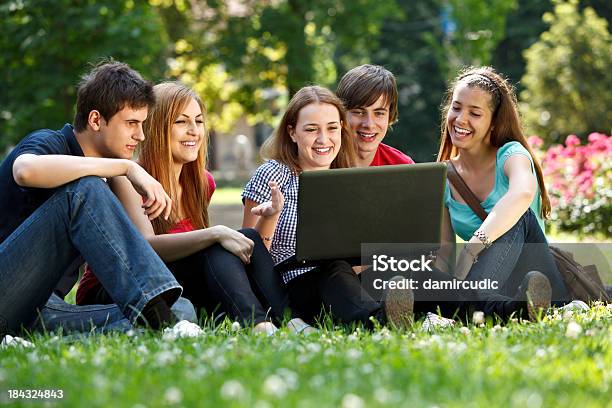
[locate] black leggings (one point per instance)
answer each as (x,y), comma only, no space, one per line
(215,277)
(217,281)
(452,303)
(335,288)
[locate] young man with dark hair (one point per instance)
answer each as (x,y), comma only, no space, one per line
(56,210)
(369,93)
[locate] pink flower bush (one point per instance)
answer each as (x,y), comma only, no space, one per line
(579,182)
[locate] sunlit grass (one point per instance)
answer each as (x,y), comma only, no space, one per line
(521,364)
(227,195)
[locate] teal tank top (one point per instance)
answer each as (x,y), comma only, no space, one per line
(463,219)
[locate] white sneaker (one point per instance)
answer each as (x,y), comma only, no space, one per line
(433,321)
(575,306)
(267,328)
(184,328)
(297,325)
(10,341)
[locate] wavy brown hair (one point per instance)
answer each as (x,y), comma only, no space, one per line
(156,157)
(505,120)
(281,148)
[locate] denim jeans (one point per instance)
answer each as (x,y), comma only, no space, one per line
(81,220)
(521,249)
(57,314)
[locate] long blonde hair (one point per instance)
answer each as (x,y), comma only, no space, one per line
(156,157)
(280,147)
(505,121)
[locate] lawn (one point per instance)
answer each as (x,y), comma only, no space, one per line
(563,360)
(226,196)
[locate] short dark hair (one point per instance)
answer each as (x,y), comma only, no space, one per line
(109,87)
(363,85)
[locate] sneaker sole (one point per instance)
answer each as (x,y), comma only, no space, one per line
(539,293)
(399,304)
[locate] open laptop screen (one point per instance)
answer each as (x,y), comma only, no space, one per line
(340,209)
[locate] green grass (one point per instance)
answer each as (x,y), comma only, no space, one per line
(517,365)
(227,195)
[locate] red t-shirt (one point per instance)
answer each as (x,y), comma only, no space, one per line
(89,283)
(387,155)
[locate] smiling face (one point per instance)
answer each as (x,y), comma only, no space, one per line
(369,125)
(317,134)
(186,133)
(469,117)
(119,136)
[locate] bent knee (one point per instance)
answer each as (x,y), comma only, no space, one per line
(88,183)
(250,233)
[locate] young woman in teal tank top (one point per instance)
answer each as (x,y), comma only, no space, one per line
(482,137)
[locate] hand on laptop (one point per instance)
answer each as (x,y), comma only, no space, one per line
(274,206)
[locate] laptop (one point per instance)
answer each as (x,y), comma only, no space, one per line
(341,209)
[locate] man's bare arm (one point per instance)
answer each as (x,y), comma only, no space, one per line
(54,170)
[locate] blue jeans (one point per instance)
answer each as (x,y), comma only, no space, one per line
(521,249)
(81,220)
(57,314)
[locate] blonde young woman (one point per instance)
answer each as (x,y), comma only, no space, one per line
(221,270)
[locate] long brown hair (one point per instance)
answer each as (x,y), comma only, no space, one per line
(280,147)
(505,120)
(156,157)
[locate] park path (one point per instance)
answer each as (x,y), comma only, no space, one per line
(229,215)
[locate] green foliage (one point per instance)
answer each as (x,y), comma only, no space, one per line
(523,27)
(47,45)
(563,361)
(568,75)
(404,51)
(264,51)
(473,29)
(424,46)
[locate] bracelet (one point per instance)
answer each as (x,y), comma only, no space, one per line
(267,239)
(474,257)
(483,238)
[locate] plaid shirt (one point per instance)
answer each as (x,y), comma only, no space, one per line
(257,189)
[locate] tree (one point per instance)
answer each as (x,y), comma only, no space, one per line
(261,52)
(425,46)
(421,83)
(523,28)
(568,79)
(43,53)
(472,29)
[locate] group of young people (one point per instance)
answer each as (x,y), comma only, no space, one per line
(76,195)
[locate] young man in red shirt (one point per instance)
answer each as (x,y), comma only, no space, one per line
(369,93)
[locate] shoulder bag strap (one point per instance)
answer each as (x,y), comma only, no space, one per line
(464,191)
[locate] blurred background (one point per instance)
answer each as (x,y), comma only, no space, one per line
(247,57)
